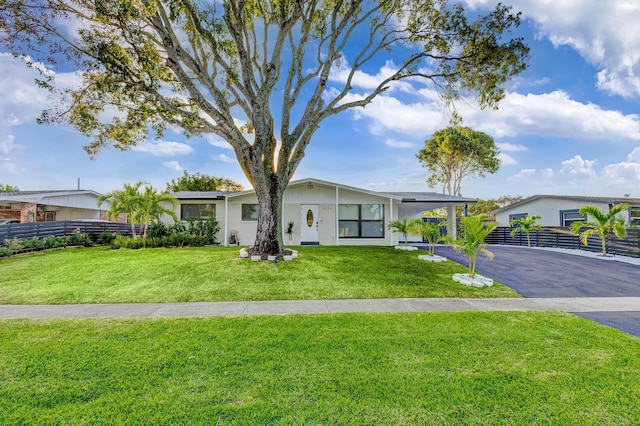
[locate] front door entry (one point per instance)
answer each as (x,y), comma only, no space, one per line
(309,224)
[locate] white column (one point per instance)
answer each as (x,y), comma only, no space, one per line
(390,219)
(337,216)
(226,220)
(451,221)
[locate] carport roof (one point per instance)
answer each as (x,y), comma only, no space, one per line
(421,197)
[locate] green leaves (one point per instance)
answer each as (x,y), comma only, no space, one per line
(454,153)
(472,238)
(602,224)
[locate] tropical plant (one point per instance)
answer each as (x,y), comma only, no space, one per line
(400,226)
(262,75)
(289,230)
(602,224)
(126,201)
(150,207)
(473,233)
(525,225)
(8,188)
(430,231)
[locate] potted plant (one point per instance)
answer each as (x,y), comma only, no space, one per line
(289,230)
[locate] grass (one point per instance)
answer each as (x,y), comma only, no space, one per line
(419,368)
(101,275)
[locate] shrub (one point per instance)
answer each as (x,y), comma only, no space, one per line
(56,242)
(14,245)
(158,230)
(79,239)
(127,242)
(106,237)
(33,244)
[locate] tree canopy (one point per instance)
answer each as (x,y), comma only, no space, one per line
(202,182)
(261,74)
(455,153)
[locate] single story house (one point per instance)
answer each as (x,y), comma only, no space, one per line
(44,206)
(563,210)
(323,213)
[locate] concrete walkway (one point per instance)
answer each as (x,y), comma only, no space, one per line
(567,304)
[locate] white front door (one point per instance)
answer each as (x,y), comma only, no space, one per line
(309,224)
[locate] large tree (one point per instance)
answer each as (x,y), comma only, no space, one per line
(455,153)
(8,188)
(225,67)
(201,182)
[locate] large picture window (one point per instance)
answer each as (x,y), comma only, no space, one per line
(250,211)
(197,211)
(361,220)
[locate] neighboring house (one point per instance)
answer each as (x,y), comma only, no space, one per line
(44,206)
(559,210)
(323,212)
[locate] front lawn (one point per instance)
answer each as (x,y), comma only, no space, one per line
(499,368)
(101,275)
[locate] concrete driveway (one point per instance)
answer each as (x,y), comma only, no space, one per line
(541,274)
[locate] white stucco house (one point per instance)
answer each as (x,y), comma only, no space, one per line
(44,206)
(562,210)
(323,213)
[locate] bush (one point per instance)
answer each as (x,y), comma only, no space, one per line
(158,230)
(4,252)
(14,245)
(33,244)
(106,237)
(79,239)
(204,228)
(56,242)
(127,242)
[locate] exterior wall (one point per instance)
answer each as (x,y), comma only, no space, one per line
(67,213)
(549,210)
(80,201)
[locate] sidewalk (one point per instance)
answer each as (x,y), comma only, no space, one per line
(568,304)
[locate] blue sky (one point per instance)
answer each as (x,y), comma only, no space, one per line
(569,125)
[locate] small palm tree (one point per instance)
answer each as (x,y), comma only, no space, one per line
(602,224)
(429,231)
(151,207)
(401,227)
(525,225)
(126,200)
(472,239)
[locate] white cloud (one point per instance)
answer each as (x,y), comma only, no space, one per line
(340,73)
(173,165)
(163,148)
(224,158)
(511,147)
(506,159)
(579,176)
(578,167)
(217,141)
(605,33)
(399,144)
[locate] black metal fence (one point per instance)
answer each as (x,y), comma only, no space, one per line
(61,228)
(562,237)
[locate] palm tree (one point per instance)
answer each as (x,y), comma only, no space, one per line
(126,200)
(151,207)
(602,225)
(525,225)
(401,227)
(429,231)
(472,239)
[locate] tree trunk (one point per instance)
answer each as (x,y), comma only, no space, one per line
(269,227)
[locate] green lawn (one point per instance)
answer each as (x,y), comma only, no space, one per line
(498,368)
(101,275)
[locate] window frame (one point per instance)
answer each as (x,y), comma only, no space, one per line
(564,212)
(200,211)
(516,216)
(249,218)
(360,221)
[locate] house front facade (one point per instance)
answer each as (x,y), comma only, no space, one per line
(45,206)
(322,213)
(558,210)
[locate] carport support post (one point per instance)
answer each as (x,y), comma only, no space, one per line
(451,221)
